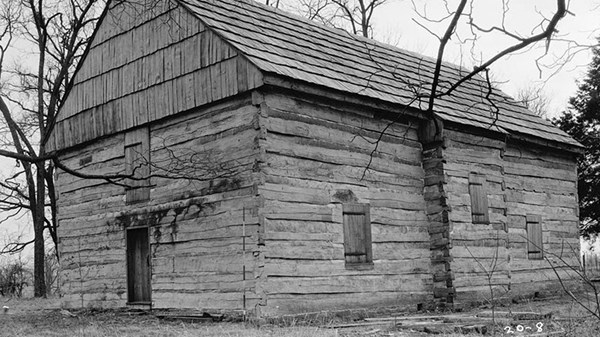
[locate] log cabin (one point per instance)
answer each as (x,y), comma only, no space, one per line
(272,165)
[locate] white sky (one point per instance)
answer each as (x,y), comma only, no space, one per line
(395,22)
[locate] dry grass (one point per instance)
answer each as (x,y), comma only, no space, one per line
(53,323)
(43,318)
(147,327)
(35,317)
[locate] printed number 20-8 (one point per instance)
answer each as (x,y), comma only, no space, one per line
(520,328)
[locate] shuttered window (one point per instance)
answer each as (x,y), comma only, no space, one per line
(479,200)
(137,159)
(357,236)
(534,237)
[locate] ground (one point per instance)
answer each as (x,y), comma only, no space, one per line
(558,316)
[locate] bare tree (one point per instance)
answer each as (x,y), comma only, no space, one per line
(355,16)
(535,99)
(459,21)
(317,10)
(14,277)
(465,15)
(57,33)
(30,97)
(273,3)
(359,14)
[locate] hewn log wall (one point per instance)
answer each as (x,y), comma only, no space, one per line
(314,160)
(146,63)
(517,182)
(477,249)
(195,224)
(543,182)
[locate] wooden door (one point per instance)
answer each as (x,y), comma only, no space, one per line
(138,265)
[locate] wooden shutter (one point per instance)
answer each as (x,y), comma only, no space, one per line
(534,237)
(357,234)
(137,160)
(479,201)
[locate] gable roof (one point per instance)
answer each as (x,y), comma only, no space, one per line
(287,45)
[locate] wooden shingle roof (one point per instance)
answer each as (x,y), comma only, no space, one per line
(287,45)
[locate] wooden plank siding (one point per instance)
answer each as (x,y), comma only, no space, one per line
(518,183)
(315,154)
(195,226)
(152,66)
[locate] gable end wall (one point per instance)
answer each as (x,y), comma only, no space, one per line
(195,225)
(145,64)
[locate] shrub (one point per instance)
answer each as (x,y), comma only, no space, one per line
(13,279)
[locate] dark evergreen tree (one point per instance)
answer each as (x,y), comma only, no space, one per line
(582,122)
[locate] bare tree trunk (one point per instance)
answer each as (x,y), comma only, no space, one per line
(365,22)
(39,250)
(51,191)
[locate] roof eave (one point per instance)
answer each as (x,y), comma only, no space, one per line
(287,83)
(511,136)
(575,148)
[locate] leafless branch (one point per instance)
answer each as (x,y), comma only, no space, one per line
(15,247)
(561,11)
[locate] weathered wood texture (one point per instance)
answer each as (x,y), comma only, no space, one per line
(196,226)
(437,209)
(474,173)
(293,47)
(273,170)
(137,164)
(146,63)
(541,186)
(357,234)
(314,156)
(517,183)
